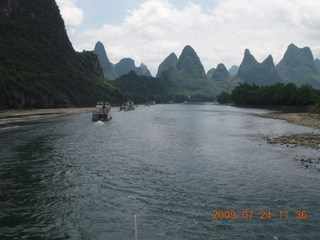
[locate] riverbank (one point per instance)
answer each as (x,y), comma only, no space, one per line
(12,117)
(305,119)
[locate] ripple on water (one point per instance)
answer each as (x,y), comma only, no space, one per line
(171,165)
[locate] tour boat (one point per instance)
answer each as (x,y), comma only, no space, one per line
(127,106)
(102,112)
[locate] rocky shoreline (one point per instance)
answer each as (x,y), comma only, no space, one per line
(310,162)
(305,119)
(306,140)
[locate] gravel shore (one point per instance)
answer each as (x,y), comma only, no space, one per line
(305,140)
(305,119)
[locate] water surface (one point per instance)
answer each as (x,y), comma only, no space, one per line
(171,165)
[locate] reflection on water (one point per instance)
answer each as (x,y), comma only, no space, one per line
(171,165)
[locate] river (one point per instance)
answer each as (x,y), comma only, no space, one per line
(172,166)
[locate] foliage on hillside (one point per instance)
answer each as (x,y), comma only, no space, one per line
(189,64)
(38,66)
(224,97)
(184,84)
(142,88)
(107,67)
(169,62)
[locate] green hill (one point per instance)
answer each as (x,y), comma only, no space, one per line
(169,62)
(222,78)
(252,72)
(126,65)
(317,64)
(188,76)
(143,88)
(189,63)
(38,66)
(107,67)
(220,73)
(298,66)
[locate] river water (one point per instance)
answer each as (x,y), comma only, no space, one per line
(170,165)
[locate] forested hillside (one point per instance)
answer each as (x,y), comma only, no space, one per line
(38,65)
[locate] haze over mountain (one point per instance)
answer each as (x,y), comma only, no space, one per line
(210,72)
(220,73)
(298,66)
(317,63)
(127,65)
(242,20)
(169,62)
(143,70)
(38,65)
(233,70)
(253,72)
(108,69)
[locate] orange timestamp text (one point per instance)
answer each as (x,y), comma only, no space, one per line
(261,214)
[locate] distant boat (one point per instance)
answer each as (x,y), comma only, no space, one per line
(102,112)
(147,104)
(128,106)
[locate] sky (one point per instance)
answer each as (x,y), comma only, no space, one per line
(218,30)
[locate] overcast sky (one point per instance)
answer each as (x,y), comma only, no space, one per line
(219,30)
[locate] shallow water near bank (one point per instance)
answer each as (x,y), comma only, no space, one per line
(171,165)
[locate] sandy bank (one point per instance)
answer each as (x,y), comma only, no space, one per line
(305,119)
(12,117)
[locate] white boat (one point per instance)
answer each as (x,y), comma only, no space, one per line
(127,106)
(102,112)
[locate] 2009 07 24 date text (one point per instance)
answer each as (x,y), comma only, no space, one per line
(261,214)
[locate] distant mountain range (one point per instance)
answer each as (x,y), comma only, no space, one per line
(40,69)
(123,67)
(251,71)
(127,65)
(187,74)
(297,66)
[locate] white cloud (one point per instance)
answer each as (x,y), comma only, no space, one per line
(156,28)
(72,15)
